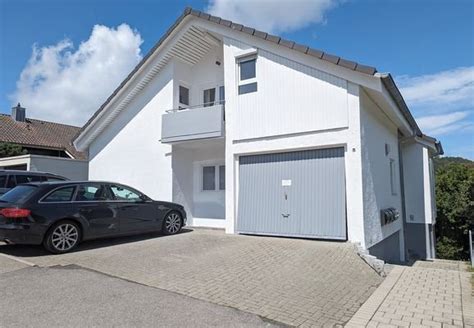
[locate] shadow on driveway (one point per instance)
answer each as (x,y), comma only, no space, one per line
(38,250)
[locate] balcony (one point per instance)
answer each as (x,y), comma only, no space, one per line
(192,123)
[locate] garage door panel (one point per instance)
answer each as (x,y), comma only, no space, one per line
(293,194)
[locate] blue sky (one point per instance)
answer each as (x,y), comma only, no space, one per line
(61,59)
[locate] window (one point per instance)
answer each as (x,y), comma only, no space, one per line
(213,178)
(124,194)
(247,75)
(90,193)
(60,195)
(3,181)
(209,178)
(393,177)
(53,179)
(221,177)
(221,95)
(247,88)
(11,183)
(247,69)
(27,178)
(209,97)
(183,95)
(18,194)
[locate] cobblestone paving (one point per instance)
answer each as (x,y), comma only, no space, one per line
(428,294)
(296,282)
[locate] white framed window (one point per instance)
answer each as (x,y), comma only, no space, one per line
(247,74)
(393,177)
(209,97)
(213,178)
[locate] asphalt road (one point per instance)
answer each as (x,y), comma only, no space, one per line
(72,296)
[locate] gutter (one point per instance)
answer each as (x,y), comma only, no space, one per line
(394,92)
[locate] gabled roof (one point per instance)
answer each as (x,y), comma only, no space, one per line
(40,134)
(317,54)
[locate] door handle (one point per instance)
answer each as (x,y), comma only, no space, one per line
(286,216)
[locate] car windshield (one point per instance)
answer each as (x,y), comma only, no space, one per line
(18,194)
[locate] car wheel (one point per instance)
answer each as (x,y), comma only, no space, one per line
(62,237)
(172,223)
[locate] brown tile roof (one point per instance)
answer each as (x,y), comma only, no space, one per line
(40,134)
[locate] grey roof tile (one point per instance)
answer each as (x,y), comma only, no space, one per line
(237,27)
(347,63)
(273,38)
(315,53)
(260,34)
(215,19)
(366,69)
(331,58)
(225,22)
(300,48)
(248,30)
(286,43)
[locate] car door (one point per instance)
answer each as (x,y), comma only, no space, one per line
(135,213)
(94,204)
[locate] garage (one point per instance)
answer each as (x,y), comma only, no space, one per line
(300,194)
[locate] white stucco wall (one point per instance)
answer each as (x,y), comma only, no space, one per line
(129,151)
(412,154)
(70,168)
(204,208)
(377,131)
(287,126)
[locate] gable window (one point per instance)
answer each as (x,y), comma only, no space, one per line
(393,177)
(247,69)
(213,178)
(209,97)
(183,95)
(247,75)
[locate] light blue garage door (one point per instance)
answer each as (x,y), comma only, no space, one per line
(293,194)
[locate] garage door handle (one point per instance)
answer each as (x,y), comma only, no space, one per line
(286,216)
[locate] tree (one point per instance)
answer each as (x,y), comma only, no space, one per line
(8,149)
(455,205)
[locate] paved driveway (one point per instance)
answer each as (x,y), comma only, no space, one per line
(292,281)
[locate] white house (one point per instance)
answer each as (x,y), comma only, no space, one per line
(260,135)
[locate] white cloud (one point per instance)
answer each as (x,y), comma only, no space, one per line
(448,88)
(444,124)
(66,85)
(273,16)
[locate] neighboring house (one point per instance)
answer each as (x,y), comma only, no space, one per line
(48,145)
(260,135)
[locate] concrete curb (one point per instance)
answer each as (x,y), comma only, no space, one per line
(368,309)
(13,258)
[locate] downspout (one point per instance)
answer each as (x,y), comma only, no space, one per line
(402,195)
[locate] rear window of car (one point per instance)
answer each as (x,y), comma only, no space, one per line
(27,178)
(60,195)
(18,194)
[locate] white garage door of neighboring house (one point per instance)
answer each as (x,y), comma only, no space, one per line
(293,194)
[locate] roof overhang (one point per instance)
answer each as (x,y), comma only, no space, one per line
(193,29)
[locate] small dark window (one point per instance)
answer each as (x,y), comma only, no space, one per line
(53,179)
(247,69)
(209,178)
(11,183)
(27,178)
(221,177)
(3,181)
(183,95)
(221,94)
(247,88)
(209,97)
(60,195)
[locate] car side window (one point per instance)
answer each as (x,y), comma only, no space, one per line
(91,193)
(27,178)
(11,183)
(60,195)
(3,181)
(124,194)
